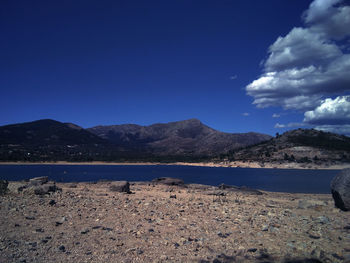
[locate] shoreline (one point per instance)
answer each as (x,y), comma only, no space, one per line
(235,164)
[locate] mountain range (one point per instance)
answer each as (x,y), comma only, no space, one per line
(188,140)
(50,140)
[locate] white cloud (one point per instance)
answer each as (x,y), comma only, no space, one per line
(330,112)
(289,125)
(278,125)
(233,77)
(306,64)
(327,19)
(300,48)
(245,114)
(309,64)
(275,115)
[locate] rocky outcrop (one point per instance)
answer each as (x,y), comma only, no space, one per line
(340,187)
(39,186)
(121,187)
(168,181)
(45,189)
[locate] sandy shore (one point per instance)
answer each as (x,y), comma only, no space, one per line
(159,223)
(235,164)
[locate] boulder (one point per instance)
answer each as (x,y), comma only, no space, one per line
(340,187)
(168,181)
(3,187)
(121,187)
(46,189)
(38,180)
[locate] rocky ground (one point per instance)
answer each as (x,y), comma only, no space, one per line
(87,222)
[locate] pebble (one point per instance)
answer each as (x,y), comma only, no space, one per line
(62,248)
(265,228)
(61,220)
(84,231)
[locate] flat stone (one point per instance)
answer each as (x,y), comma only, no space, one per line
(38,180)
(121,187)
(168,181)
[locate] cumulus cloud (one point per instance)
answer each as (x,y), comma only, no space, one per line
(326,19)
(310,65)
(245,114)
(330,112)
(275,115)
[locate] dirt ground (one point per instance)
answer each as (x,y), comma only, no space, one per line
(87,222)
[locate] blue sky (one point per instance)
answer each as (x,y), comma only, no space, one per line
(114,62)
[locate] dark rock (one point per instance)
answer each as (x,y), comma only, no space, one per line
(224,259)
(340,187)
(38,180)
(252,250)
(168,181)
(30,217)
(3,187)
(46,189)
(314,236)
(223,235)
(173,196)
(21,188)
(85,231)
(52,202)
(62,248)
(121,187)
(335,255)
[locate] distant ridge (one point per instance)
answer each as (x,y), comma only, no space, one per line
(301,146)
(50,140)
(189,137)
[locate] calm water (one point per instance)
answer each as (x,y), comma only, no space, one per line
(280,180)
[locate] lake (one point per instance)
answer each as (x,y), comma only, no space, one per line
(277,180)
